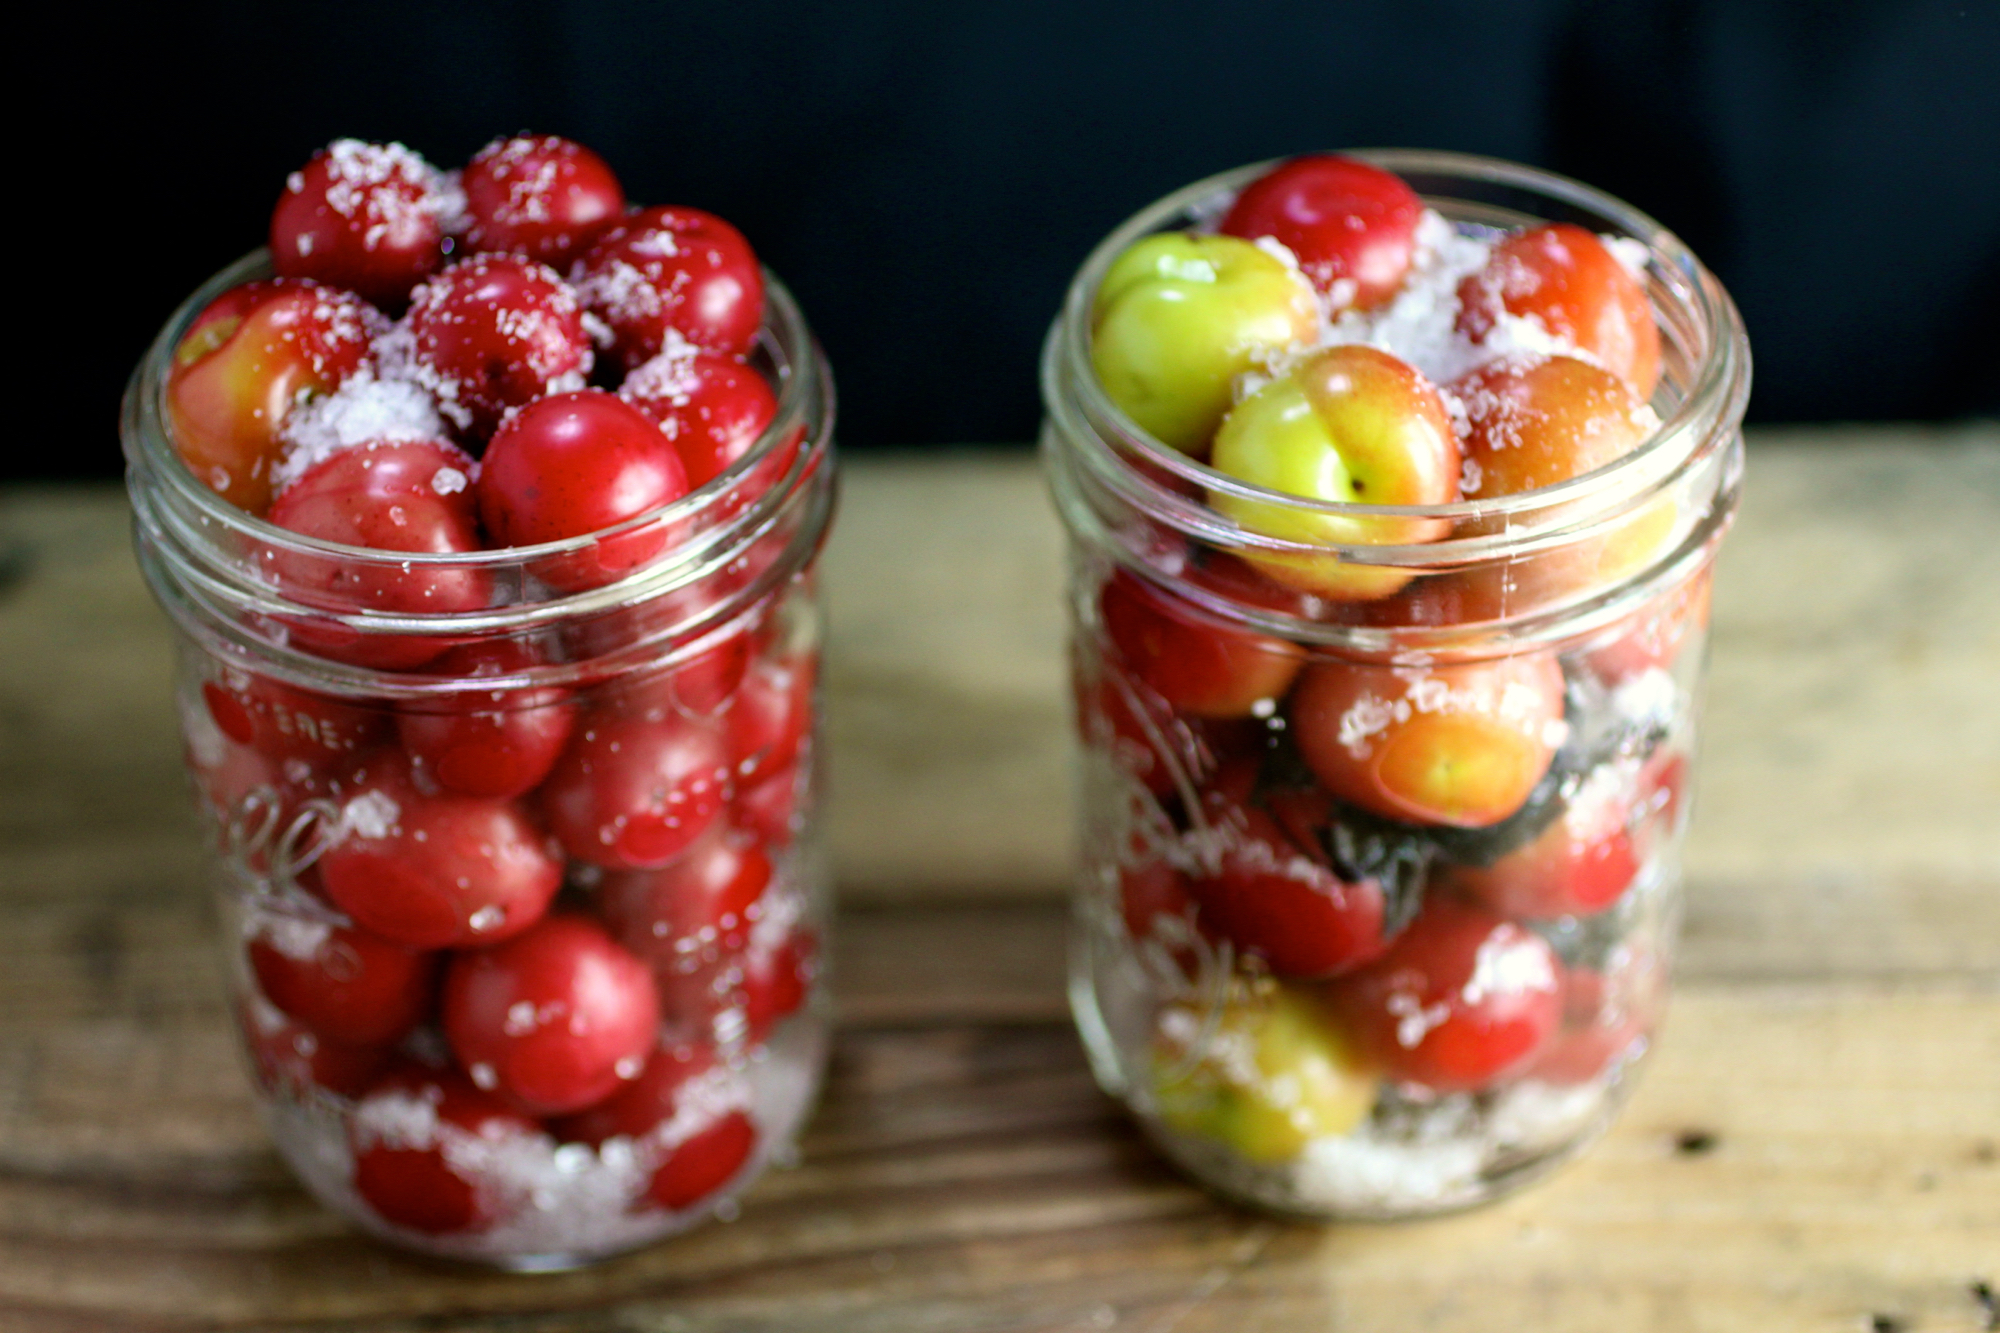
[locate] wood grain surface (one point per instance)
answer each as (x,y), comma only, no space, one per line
(1816,1146)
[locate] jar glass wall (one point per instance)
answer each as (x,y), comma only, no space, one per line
(524,903)
(1380,871)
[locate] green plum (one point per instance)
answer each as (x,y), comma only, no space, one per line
(1349,424)
(1180,316)
(1270,1076)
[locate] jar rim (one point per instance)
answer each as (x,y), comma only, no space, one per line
(1709,406)
(147,435)
(207,560)
(170,497)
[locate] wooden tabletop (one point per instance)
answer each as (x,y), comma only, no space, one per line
(1815,1146)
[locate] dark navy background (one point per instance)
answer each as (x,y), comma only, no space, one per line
(927,176)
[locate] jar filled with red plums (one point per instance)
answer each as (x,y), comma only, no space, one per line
(486,506)
(1393,482)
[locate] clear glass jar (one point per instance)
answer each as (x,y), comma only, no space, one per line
(1315,992)
(524,904)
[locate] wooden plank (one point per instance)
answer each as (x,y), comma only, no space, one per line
(1823,1202)
(1851,774)
(1851,764)
(86,957)
(1837,1035)
(947,688)
(1857,630)
(1851,767)
(972,1178)
(89,751)
(1852,754)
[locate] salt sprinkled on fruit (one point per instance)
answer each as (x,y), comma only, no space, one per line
(364,216)
(1501,967)
(1417,325)
(668,377)
(496,332)
(399,1117)
(1422,324)
(673,268)
(1630,252)
(453,215)
(403,1054)
(1513,791)
(292,936)
(354,168)
(363,409)
(371,815)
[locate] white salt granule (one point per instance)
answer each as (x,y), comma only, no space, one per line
(396,361)
(1414,1020)
(401,215)
(621,290)
(1631,254)
(267,1018)
(1525,337)
(454,215)
(1437,1156)
(1367,718)
(1533,1115)
(1279,251)
(1229,1050)
(344,322)
(399,1119)
(371,815)
(1433,694)
(1649,698)
(364,410)
(295,937)
(1596,799)
(1417,325)
(395,351)
(1361,1172)
(555,1203)
(1501,968)
(529,169)
(668,377)
(782,911)
(655,243)
(521,1018)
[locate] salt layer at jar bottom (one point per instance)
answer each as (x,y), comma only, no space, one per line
(1260,1084)
(564,1205)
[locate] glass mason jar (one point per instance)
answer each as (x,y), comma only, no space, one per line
(523,902)
(1380,875)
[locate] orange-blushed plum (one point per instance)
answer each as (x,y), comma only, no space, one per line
(1458,744)
(1563,278)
